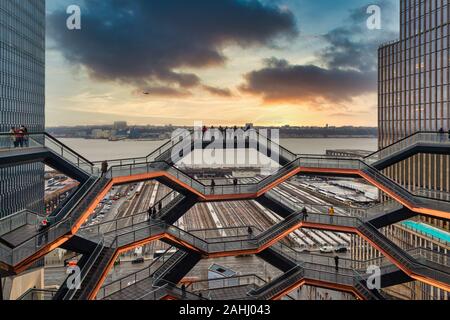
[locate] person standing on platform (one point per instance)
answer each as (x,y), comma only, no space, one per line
(104,167)
(304,214)
(235,183)
(331,213)
(213,185)
(150,214)
(20,134)
(336,263)
(441,135)
(25,136)
(250,232)
(12,132)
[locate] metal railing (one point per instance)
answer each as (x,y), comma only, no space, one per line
(243,241)
(86,269)
(19,219)
(228,282)
(36,140)
(408,142)
(168,266)
(411,259)
(53,232)
(38,294)
(131,279)
(45,140)
(122,168)
(273,288)
(310,271)
(167,203)
(152,156)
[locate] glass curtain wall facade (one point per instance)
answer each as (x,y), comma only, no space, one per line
(22,96)
(414,91)
(413,95)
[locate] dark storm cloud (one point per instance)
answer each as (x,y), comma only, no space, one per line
(223,92)
(349,59)
(147,42)
(279,81)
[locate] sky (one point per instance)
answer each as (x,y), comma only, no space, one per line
(222,62)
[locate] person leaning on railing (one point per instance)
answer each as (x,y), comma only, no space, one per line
(151,213)
(250,232)
(104,167)
(213,185)
(304,214)
(441,135)
(331,213)
(13,138)
(20,136)
(25,137)
(43,229)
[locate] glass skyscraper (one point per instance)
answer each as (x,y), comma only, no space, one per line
(22,96)
(413,95)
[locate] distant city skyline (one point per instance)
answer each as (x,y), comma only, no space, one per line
(269,62)
(130,125)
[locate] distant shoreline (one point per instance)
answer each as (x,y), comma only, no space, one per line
(303,137)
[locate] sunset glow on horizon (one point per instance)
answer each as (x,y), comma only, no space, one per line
(289,67)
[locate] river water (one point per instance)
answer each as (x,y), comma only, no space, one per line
(96,150)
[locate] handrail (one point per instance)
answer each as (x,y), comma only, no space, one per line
(169,286)
(103,289)
(271,177)
(54,146)
(171,262)
(33,291)
(400,141)
(46,134)
(239,276)
(17,220)
(308,270)
(292,253)
(259,240)
(176,199)
(172,139)
(277,144)
(367,168)
(153,291)
(165,163)
(150,154)
(271,195)
(269,286)
(86,268)
(68,204)
(358,284)
(55,227)
(376,173)
(67,147)
(403,255)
